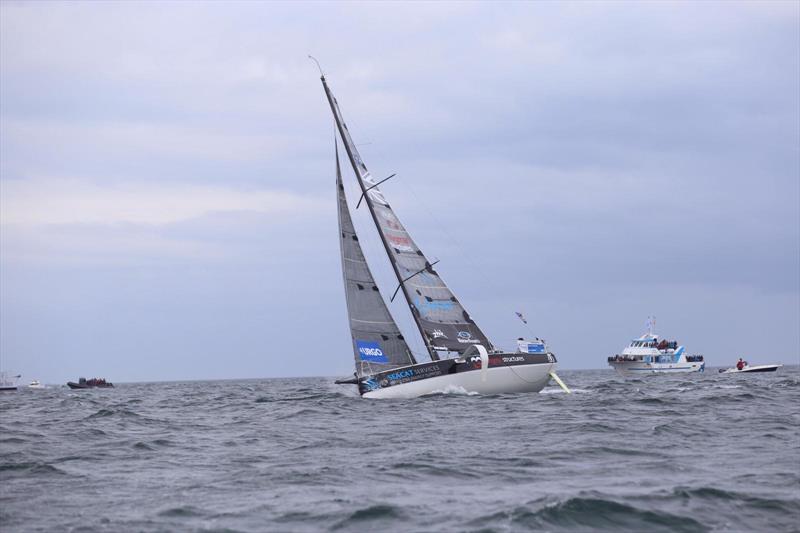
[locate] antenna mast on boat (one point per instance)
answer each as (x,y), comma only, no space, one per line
(314,59)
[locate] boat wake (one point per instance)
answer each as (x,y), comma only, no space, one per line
(457,390)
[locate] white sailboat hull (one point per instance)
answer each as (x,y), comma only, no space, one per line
(496,380)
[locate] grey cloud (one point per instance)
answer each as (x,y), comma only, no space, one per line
(592,163)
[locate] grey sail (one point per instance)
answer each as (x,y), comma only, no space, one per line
(378,344)
(440,317)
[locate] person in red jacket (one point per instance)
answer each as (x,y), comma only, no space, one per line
(740,364)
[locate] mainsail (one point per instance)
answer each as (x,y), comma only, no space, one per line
(378,344)
(440,317)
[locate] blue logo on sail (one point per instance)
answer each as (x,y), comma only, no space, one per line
(371,351)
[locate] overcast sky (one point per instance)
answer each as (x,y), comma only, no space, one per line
(167,200)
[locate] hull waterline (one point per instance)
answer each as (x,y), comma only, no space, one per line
(637,369)
(496,380)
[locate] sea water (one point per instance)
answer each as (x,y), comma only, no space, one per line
(699,452)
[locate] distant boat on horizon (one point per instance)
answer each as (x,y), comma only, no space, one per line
(8,383)
(94,383)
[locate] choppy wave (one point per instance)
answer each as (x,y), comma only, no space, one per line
(559,390)
(700,453)
(600,514)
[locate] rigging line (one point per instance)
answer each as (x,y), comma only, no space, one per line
(459,248)
(443,228)
(314,59)
(515,373)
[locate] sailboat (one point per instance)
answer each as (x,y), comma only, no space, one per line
(385,365)
(8,383)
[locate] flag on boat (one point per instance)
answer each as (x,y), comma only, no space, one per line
(521,317)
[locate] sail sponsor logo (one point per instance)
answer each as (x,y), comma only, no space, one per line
(438,334)
(427,371)
(369,385)
(402,244)
(425,307)
(391,221)
(371,351)
(411,374)
(465,337)
(499,361)
(373,193)
(402,374)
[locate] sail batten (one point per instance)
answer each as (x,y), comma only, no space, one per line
(378,344)
(441,319)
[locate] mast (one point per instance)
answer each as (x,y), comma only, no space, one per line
(347,145)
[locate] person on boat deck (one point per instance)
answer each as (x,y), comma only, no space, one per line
(740,364)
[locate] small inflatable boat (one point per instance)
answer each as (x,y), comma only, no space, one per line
(748,368)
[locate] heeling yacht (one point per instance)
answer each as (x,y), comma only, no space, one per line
(461,356)
(649,355)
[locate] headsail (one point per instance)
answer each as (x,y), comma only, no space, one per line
(442,320)
(378,344)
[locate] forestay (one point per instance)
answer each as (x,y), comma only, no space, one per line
(378,344)
(442,320)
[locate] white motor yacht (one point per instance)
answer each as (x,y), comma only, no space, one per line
(651,355)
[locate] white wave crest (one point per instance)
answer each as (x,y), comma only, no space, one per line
(455,389)
(559,390)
